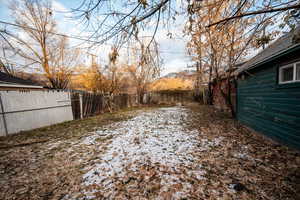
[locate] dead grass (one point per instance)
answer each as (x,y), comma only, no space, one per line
(245,165)
(38,164)
(253,165)
(70,129)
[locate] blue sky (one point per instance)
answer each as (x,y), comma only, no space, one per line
(173,51)
(4,13)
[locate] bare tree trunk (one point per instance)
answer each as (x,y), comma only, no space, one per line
(227,95)
(210,93)
(228,98)
(141,96)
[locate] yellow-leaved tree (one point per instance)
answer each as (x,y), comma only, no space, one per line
(220,48)
(171,84)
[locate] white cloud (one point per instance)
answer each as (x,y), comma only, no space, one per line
(60,8)
(175,65)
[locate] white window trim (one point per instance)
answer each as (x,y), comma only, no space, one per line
(294,73)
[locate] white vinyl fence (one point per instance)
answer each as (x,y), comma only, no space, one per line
(26,110)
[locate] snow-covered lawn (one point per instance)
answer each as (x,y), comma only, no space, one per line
(191,152)
(152,139)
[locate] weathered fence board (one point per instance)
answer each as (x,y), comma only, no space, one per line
(94,104)
(170,97)
(75,105)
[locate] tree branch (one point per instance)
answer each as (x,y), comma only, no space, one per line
(296,6)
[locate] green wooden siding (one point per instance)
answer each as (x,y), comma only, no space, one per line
(269,108)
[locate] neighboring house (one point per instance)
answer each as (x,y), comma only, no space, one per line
(268,91)
(8,82)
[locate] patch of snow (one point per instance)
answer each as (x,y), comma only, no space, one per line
(158,137)
(90,140)
(54,145)
(241,155)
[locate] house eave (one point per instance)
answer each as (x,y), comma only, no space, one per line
(20,86)
(275,56)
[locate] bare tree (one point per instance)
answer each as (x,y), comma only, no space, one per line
(36,44)
(6,65)
(114,72)
(145,66)
(63,60)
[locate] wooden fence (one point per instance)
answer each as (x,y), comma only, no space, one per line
(170,97)
(88,104)
(75,101)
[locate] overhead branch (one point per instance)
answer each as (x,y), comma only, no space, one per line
(152,12)
(296,6)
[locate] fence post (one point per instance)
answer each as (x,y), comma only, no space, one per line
(81,107)
(3,116)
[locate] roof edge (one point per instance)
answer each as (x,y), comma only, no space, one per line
(278,55)
(20,86)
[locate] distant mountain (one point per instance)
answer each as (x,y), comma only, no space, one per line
(183,80)
(185,74)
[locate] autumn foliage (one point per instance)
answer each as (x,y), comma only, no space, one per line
(171,84)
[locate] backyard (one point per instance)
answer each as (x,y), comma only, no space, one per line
(180,152)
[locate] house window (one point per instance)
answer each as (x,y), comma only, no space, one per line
(298,71)
(289,73)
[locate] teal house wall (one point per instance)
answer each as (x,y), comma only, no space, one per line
(268,107)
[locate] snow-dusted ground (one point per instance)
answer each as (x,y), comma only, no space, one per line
(190,152)
(155,138)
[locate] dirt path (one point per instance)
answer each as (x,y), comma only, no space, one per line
(189,152)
